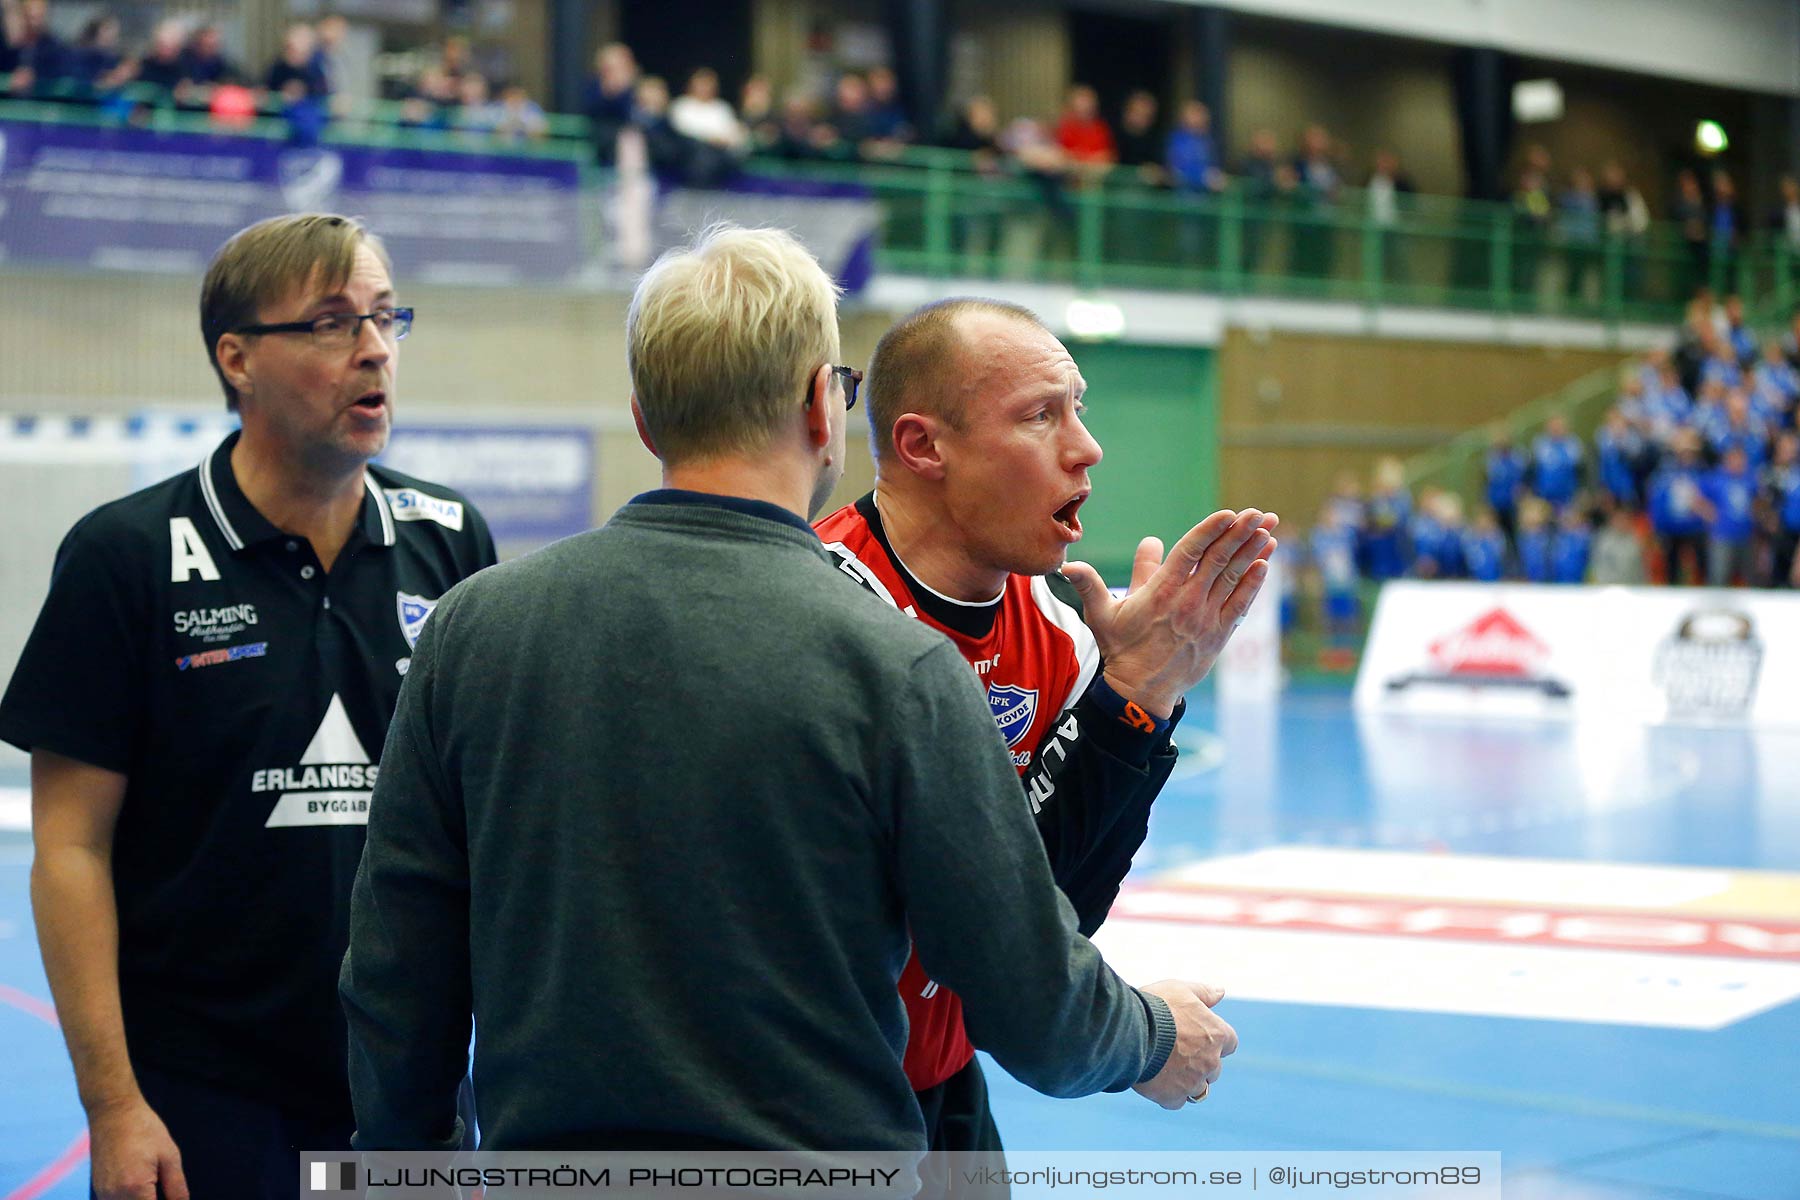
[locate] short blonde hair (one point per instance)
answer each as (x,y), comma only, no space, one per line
(262,264)
(723,337)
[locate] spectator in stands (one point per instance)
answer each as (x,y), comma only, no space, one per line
(1625,219)
(1139,146)
(1679,510)
(717,138)
(800,134)
(1557,461)
(1043,163)
(1708,415)
(1578,225)
(517,117)
(1316,189)
(1785,220)
(1435,554)
(295,74)
(433,102)
(1533,209)
(1718,361)
(328,54)
(849,119)
(1388,196)
(39,59)
(977,130)
(96,60)
(1691,345)
(1268,183)
(1190,155)
(475,109)
(1536,542)
(203,63)
(666,149)
(295,77)
(1617,556)
(1484,548)
(1082,133)
(1667,405)
(1739,339)
(1775,387)
(1730,490)
(1740,430)
(456,60)
(1386,517)
(1688,211)
(887,119)
(164,64)
(1570,547)
(1620,449)
(1333,545)
(1505,482)
(1346,501)
(1790,341)
(608,97)
(1782,490)
(1725,221)
(756,109)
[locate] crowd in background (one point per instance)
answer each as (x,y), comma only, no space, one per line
(183,63)
(692,133)
(1693,477)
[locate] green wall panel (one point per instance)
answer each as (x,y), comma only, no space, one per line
(1154,410)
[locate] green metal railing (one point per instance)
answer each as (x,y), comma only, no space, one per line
(943,219)
(944,216)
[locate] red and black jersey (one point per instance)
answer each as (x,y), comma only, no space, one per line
(1089,771)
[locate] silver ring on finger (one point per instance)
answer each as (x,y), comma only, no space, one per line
(1204,1088)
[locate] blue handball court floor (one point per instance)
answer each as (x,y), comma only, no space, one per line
(1577,946)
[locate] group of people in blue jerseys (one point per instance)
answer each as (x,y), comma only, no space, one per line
(1693,477)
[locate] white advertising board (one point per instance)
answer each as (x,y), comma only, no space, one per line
(1653,655)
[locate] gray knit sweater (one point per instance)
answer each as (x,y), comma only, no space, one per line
(660,806)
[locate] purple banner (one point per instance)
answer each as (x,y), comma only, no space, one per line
(133,199)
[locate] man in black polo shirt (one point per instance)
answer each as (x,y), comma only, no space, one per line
(204,697)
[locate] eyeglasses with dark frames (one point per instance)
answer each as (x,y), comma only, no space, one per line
(342,329)
(852,377)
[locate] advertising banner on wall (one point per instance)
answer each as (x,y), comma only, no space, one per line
(1652,655)
(128,199)
(532,483)
(121,198)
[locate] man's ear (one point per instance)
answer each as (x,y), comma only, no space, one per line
(234,364)
(916,444)
(637,418)
(818,411)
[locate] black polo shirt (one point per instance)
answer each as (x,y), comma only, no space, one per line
(245,694)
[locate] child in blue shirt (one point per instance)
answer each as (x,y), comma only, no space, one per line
(1730,491)
(1484,548)
(1569,549)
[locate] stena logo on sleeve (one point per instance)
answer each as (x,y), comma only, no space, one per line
(410,504)
(1013,709)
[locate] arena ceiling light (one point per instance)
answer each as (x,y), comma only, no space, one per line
(1709,138)
(1537,100)
(1094,320)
